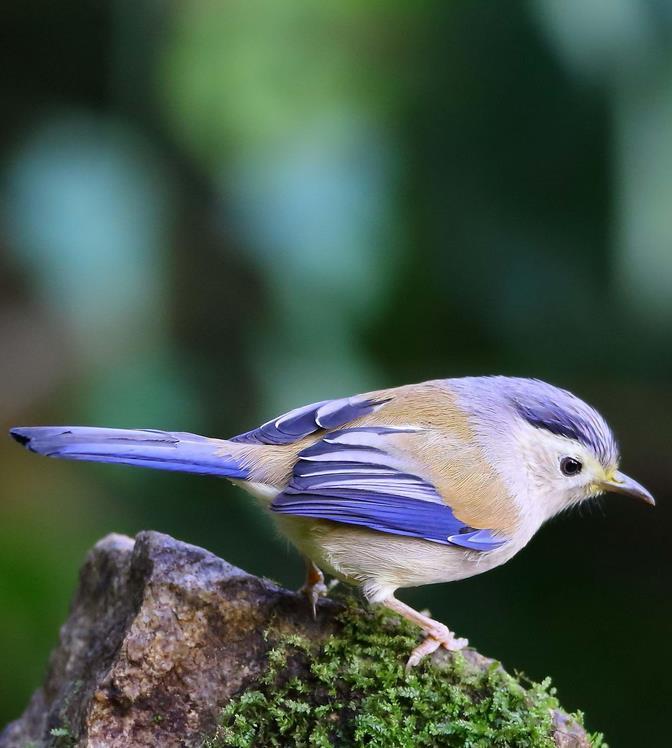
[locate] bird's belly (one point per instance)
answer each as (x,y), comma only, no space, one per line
(381,562)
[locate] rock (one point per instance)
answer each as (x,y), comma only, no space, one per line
(160,637)
(161,634)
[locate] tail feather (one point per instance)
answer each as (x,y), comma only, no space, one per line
(162,450)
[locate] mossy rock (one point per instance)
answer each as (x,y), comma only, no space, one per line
(353,690)
(168,645)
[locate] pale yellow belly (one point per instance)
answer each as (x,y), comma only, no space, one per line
(381,562)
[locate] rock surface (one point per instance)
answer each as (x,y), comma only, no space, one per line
(161,635)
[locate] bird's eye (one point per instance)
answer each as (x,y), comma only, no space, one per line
(570,466)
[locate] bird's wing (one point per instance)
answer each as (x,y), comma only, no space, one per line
(302,422)
(355,476)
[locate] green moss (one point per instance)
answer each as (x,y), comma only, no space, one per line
(64,738)
(357,693)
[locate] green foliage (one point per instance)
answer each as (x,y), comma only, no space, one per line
(64,737)
(357,693)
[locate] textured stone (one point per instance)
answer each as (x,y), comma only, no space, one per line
(160,635)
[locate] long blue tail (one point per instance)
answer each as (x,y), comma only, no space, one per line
(163,450)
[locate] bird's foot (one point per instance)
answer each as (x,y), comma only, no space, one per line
(314,587)
(313,592)
(436,636)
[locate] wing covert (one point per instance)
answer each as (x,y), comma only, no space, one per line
(301,422)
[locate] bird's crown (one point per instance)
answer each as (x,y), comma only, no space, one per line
(558,411)
(542,406)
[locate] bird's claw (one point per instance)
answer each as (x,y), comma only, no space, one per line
(439,637)
(313,592)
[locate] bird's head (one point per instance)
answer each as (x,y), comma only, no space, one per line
(553,449)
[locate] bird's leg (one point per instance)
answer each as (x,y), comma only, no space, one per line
(437,634)
(314,587)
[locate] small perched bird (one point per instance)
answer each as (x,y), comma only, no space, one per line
(396,488)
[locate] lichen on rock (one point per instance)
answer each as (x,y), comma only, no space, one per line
(168,645)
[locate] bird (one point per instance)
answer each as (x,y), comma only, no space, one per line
(395,488)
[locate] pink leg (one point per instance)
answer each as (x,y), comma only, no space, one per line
(314,587)
(438,634)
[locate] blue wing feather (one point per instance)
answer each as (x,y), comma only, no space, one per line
(350,477)
(301,422)
(396,515)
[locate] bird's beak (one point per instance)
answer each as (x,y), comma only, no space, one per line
(621,483)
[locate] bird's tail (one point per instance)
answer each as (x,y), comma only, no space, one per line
(163,450)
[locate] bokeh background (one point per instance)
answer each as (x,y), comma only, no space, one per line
(214,212)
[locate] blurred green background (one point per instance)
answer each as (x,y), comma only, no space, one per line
(214,212)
